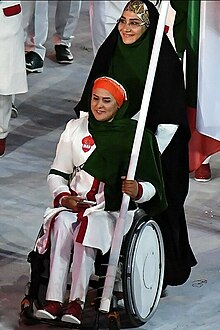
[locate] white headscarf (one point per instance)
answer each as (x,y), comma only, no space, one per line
(140,9)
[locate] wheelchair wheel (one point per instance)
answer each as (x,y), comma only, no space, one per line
(143,269)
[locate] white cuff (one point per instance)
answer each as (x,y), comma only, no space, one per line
(148,192)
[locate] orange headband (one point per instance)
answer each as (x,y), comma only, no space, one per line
(113,87)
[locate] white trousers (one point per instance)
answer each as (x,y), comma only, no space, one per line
(103,17)
(63,240)
(35,22)
(5,114)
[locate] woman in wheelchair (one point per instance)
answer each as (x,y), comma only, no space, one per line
(87,180)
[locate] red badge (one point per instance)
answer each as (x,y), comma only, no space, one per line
(12,10)
(87,143)
(166,29)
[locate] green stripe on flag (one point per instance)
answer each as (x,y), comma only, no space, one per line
(192,51)
(186,37)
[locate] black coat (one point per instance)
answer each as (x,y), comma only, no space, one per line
(167,105)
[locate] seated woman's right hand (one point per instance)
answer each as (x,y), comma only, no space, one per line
(71,202)
(76,203)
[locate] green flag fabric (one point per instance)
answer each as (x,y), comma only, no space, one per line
(186,37)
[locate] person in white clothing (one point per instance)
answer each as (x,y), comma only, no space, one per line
(87,180)
(35,21)
(12,65)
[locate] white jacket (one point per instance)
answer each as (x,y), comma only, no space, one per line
(97,225)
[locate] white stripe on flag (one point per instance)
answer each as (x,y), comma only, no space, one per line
(208,107)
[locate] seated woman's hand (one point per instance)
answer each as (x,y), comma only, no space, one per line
(130,187)
(71,202)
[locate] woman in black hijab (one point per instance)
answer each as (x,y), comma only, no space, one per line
(125,56)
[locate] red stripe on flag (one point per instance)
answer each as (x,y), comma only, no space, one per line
(200,146)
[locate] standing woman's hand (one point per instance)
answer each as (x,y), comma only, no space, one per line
(130,187)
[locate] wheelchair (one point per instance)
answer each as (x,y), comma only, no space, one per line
(142,260)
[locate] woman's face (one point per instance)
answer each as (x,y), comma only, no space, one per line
(103,105)
(129,27)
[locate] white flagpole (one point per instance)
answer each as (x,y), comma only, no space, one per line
(120,225)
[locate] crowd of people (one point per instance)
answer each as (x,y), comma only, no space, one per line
(83,177)
(24,26)
(35,22)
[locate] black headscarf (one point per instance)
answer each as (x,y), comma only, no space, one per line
(168,96)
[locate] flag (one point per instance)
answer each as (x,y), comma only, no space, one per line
(197,30)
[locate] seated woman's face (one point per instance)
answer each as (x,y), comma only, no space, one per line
(103,105)
(130,27)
